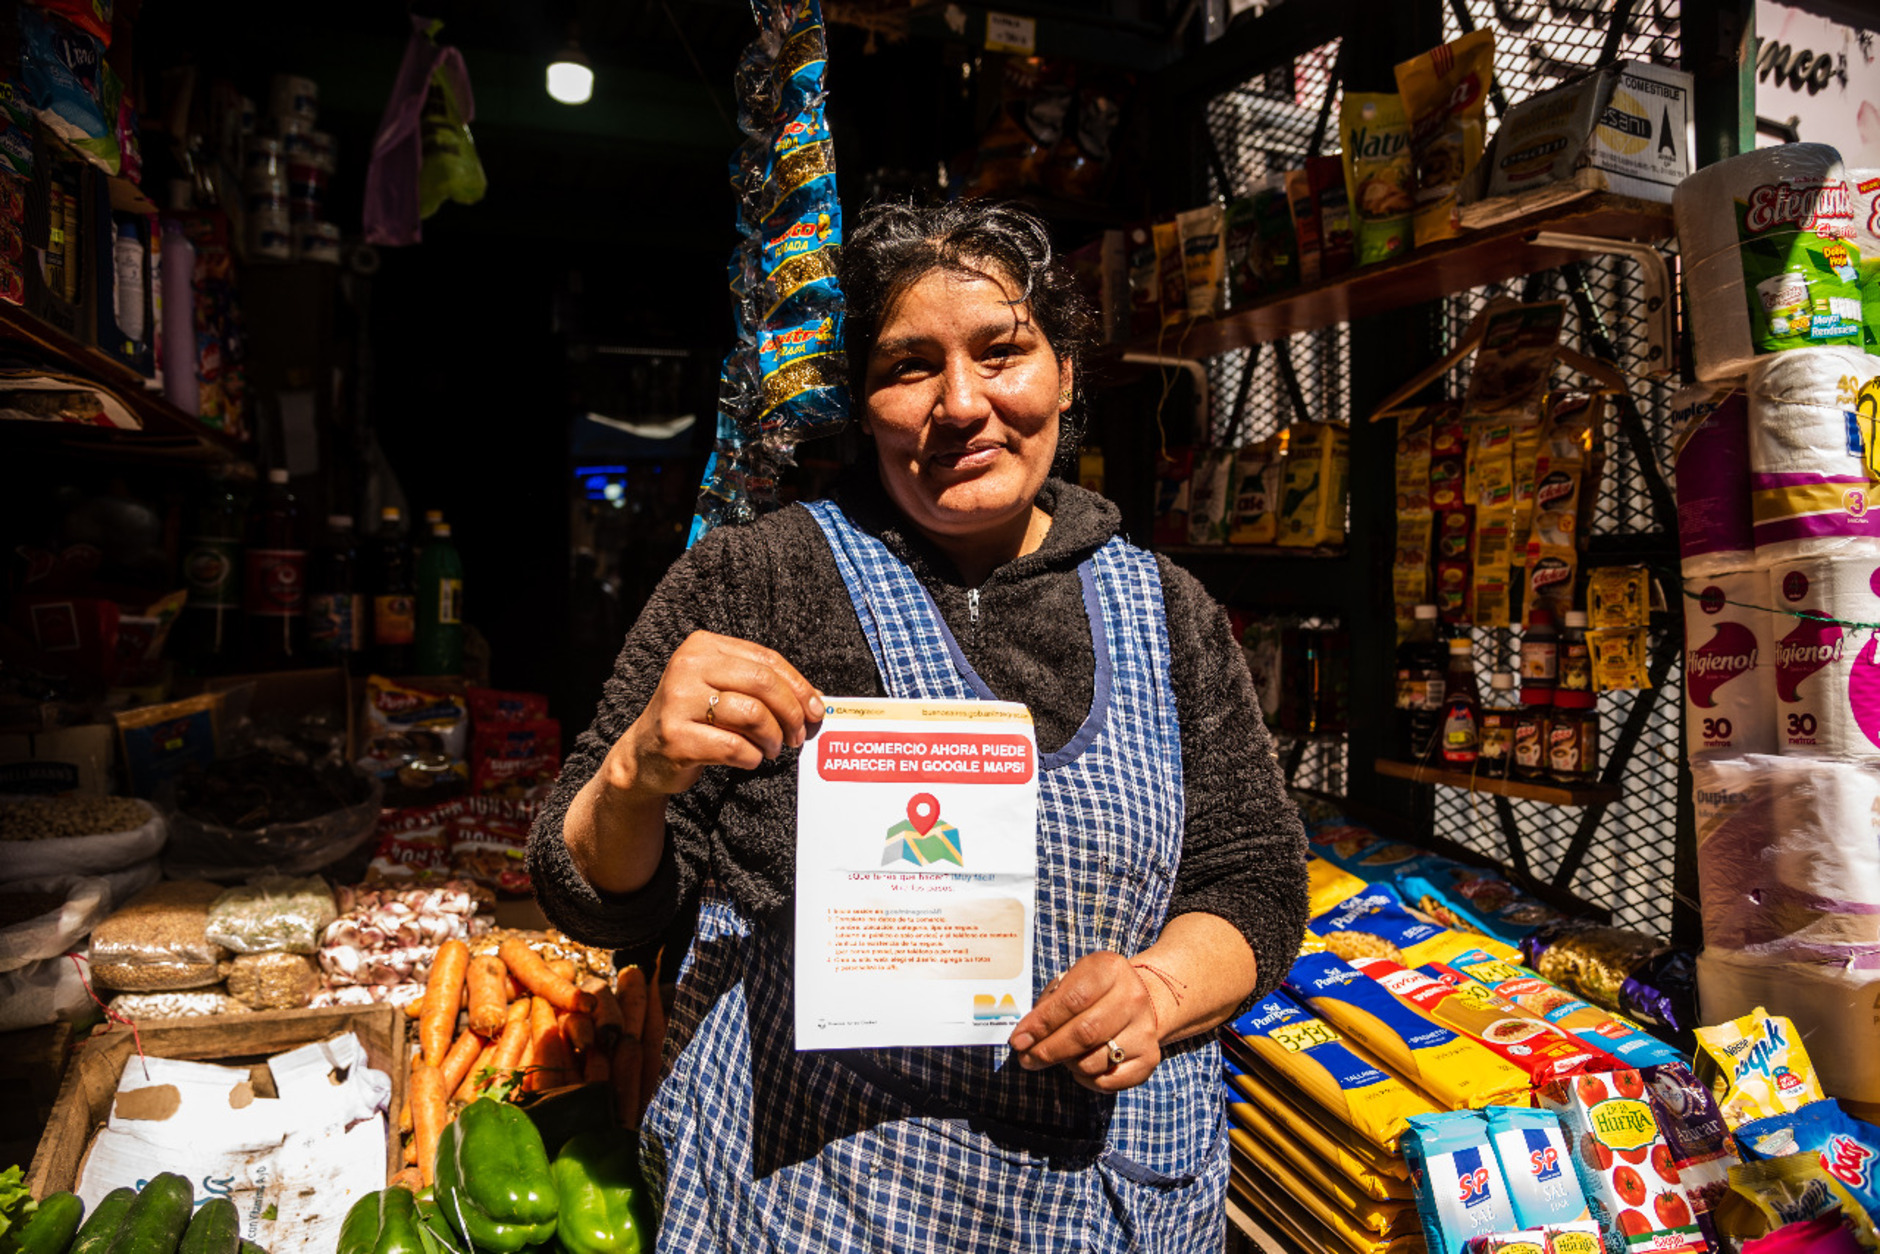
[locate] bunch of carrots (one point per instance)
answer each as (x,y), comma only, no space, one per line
(513,1022)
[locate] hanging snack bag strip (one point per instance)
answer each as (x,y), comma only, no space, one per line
(1542,1185)
(1452,1069)
(1380,173)
(1756,1067)
(1521,987)
(1309,1055)
(1386,1217)
(1560,488)
(1445,95)
(1461,1194)
(1384,1179)
(1529,1043)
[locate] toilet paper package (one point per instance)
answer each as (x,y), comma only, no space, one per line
(1729,664)
(1768,266)
(1865,184)
(1827,676)
(1810,460)
(1788,857)
(1715,533)
(1836,1010)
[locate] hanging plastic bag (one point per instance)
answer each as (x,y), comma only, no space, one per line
(403,175)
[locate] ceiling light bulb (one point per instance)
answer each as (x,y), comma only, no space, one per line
(570,78)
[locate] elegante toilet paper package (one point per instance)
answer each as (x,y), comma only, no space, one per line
(1865,184)
(1788,857)
(1729,664)
(1810,456)
(1715,532)
(1827,676)
(1768,265)
(1836,1010)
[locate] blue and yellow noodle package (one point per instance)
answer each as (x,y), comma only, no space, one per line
(1543,1185)
(1461,1193)
(1307,1053)
(1379,912)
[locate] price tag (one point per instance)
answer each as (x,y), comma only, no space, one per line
(1008,33)
(1297,1037)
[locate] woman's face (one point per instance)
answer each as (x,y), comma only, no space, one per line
(963,397)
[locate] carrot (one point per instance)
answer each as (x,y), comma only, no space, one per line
(652,1038)
(577,1031)
(609,1022)
(467,1091)
(514,1041)
(630,991)
(551,1054)
(443,996)
(534,974)
(414,1007)
(457,1062)
(511,989)
(428,1095)
(595,1068)
(564,967)
(626,1069)
(409,1179)
(411,1154)
(488,1007)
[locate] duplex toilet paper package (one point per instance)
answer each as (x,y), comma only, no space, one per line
(1837,1012)
(1811,455)
(1788,857)
(1729,665)
(1715,533)
(1827,675)
(1767,258)
(1865,184)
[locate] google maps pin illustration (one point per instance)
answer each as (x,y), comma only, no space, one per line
(923,811)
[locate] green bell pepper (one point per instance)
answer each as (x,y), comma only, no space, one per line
(604,1205)
(493,1179)
(382,1223)
(560,1115)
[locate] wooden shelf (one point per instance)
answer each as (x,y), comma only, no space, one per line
(1491,255)
(1252,551)
(166,431)
(1549,794)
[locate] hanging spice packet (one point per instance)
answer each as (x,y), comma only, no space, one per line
(1621,659)
(1618,596)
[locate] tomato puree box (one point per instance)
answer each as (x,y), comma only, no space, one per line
(1626,1167)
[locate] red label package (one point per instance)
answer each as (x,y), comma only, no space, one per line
(1625,1165)
(515,751)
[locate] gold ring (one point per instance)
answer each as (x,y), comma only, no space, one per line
(711,710)
(1117,1056)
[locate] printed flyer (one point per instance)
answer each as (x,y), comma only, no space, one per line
(916,869)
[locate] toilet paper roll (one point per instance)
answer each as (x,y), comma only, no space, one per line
(1729,664)
(1811,494)
(1764,237)
(1865,184)
(1788,857)
(1836,1010)
(1715,533)
(1827,674)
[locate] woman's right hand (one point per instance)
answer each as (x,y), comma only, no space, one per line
(721,702)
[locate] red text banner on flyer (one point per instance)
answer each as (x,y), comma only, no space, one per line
(916,874)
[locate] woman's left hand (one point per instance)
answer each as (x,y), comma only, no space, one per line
(1100,1000)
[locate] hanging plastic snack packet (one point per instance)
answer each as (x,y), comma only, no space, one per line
(1456,1071)
(1621,659)
(1306,1055)
(1380,174)
(1445,95)
(800,161)
(1849,1149)
(799,263)
(1756,1067)
(1618,596)
(804,374)
(1461,1193)
(69,87)
(1542,1185)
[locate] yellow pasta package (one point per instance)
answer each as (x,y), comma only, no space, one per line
(1277,1124)
(1303,1218)
(1757,1067)
(1327,884)
(1309,1056)
(1297,1170)
(1454,1070)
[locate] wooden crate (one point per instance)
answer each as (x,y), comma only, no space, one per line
(234,1040)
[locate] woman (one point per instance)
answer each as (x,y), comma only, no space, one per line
(1171,880)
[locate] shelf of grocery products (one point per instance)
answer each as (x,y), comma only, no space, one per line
(164,430)
(1525,790)
(1492,254)
(1247,550)
(1264,575)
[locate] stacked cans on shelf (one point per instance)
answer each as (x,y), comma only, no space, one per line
(286,163)
(785,381)
(1779,529)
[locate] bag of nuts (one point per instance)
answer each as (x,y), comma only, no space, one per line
(159,940)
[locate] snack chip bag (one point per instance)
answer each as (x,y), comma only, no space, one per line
(1456,1071)
(1308,1055)
(1588,1022)
(1379,912)
(1849,1149)
(1380,174)
(404,724)
(1542,1184)
(1757,1067)
(1796,1188)
(1445,95)
(1624,1165)
(1461,1194)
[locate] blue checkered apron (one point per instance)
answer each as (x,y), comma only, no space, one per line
(756,1147)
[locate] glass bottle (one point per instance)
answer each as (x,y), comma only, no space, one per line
(440,606)
(1461,708)
(1540,652)
(1575,673)
(1500,713)
(336,612)
(1421,662)
(1532,727)
(212,571)
(394,599)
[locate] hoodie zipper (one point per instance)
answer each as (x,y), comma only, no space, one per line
(972,615)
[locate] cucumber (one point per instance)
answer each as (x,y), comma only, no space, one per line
(156,1220)
(249,1247)
(103,1223)
(50,1229)
(216,1229)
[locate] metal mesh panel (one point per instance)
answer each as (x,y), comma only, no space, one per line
(1265,125)
(1245,409)
(1540,42)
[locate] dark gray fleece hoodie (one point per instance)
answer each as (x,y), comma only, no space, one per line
(775,582)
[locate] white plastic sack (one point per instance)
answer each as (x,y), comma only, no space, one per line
(83,855)
(43,992)
(87,901)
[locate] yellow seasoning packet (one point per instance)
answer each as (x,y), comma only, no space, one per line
(1621,659)
(1757,1067)
(1445,94)
(1618,596)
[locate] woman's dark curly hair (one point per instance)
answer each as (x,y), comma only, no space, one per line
(894,244)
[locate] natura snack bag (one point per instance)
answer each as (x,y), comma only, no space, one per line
(1625,1166)
(1380,174)
(1542,1184)
(1461,1194)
